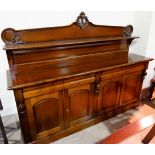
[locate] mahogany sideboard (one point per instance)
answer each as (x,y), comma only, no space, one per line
(71,77)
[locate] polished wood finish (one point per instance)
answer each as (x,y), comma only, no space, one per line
(131,88)
(82,126)
(20,77)
(108,98)
(68,78)
(22,115)
(129,130)
(81,29)
(39,114)
(78,103)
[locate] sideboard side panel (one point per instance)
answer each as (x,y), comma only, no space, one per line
(22,115)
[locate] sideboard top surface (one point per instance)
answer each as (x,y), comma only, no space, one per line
(49,73)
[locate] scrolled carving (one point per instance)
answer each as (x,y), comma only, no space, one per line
(21,108)
(11,36)
(97,84)
(82,20)
(128,31)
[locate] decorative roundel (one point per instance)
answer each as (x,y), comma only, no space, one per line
(11,36)
(128,30)
(8,35)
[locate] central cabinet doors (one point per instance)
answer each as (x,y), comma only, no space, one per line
(78,102)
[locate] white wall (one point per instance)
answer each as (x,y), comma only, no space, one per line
(142,24)
(150,51)
(25,20)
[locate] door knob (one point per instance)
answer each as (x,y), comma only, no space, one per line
(67,110)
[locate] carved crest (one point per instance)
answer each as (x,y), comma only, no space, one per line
(82,20)
(128,31)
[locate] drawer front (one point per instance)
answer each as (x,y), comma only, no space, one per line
(121,71)
(42,89)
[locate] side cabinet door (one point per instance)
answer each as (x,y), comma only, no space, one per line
(131,88)
(109,94)
(45,114)
(78,104)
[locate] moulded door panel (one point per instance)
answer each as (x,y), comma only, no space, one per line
(45,114)
(78,104)
(109,94)
(131,88)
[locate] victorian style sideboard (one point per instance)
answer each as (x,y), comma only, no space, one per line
(71,77)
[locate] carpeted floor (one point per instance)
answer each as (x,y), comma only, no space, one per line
(87,136)
(12,128)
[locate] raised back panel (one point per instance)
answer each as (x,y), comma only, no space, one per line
(46,51)
(82,28)
(77,39)
(72,31)
(36,55)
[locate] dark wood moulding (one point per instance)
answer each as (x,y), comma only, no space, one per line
(62,44)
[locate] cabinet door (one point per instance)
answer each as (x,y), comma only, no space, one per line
(109,93)
(45,114)
(78,104)
(131,88)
